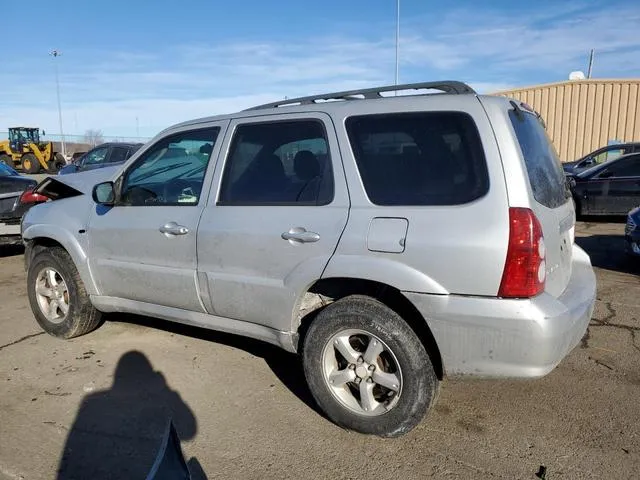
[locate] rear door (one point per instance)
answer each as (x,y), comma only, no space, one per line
(281,207)
(551,204)
(620,184)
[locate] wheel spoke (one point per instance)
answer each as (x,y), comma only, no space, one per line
(51,276)
(64,306)
(339,377)
(53,308)
(367,400)
(44,291)
(346,350)
(374,349)
(387,380)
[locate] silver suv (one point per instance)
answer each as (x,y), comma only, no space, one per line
(389,240)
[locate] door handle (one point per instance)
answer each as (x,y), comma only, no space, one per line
(172,228)
(300,235)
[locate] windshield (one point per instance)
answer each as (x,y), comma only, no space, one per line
(24,135)
(6,171)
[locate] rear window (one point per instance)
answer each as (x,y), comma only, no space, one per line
(546,176)
(425,158)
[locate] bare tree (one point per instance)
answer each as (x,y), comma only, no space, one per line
(93,137)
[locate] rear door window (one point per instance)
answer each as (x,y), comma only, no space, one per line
(423,158)
(544,169)
(118,154)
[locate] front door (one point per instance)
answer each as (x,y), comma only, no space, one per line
(273,226)
(144,248)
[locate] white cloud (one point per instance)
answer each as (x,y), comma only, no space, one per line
(489,49)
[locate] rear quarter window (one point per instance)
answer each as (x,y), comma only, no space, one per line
(422,158)
(544,169)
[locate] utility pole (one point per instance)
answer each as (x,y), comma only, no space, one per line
(397,41)
(55,54)
(590,63)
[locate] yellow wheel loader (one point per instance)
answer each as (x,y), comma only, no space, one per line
(25,150)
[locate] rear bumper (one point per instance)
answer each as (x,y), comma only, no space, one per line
(9,232)
(492,337)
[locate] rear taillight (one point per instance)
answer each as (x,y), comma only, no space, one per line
(525,269)
(30,197)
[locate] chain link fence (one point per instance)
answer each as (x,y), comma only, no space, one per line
(80,143)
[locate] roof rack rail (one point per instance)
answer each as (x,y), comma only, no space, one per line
(446,86)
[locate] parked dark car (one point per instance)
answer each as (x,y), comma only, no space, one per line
(76,156)
(602,155)
(632,233)
(104,155)
(612,188)
(16,197)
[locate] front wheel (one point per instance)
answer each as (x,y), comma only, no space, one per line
(30,163)
(367,369)
(58,297)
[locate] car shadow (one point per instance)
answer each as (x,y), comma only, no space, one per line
(286,366)
(608,252)
(11,250)
(118,432)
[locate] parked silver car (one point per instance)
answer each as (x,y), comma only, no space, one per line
(390,240)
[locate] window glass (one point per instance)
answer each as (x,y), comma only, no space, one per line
(171,172)
(118,154)
(629,167)
(544,169)
(607,155)
(419,158)
(96,156)
(283,163)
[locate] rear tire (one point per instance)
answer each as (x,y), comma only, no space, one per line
(57,295)
(339,368)
(56,163)
(30,163)
(7,160)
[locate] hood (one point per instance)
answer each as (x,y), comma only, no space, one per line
(84,181)
(80,183)
(74,184)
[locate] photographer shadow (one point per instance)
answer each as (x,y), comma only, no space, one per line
(118,432)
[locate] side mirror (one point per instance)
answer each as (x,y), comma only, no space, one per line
(589,161)
(43,133)
(104,194)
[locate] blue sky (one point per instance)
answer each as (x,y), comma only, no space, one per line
(167,61)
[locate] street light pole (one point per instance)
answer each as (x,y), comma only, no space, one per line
(397,41)
(55,54)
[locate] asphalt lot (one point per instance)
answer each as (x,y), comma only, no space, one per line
(243,411)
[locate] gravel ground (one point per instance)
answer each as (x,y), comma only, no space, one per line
(242,409)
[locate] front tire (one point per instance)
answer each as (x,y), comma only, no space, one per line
(57,295)
(367,369)
(30,163)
